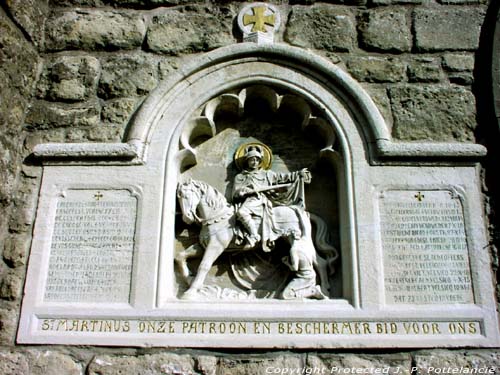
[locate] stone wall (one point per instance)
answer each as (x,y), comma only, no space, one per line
(102,58)
(77,70)
(19,68)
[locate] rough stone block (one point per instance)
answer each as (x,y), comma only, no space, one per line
(167,66)
(434,112)
(458,63)
(202,29)
(302,2)
(99,134)
(127,76)
(16,250)
(69,78)
(119,111)
(461,1)
(391,363)
(448,28)
(259,365)
(54,135)
(391,2)
(460,68)
(46,115)
(24,207)
(148,364)
(461,78)
(50,362)
(70,3)
(323,27)
(12,107)
(94,29)
(8,327)
(30,15)
(9,167)
(429,363)
(21,219)
(386,29)
(13,363)
(19,60)
(10,286)
(425,70)
(346,2)
(207,364)
(148,3)
(376,69)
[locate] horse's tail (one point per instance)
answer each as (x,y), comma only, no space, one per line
(321,242)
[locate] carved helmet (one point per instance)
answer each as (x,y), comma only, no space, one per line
(254,150)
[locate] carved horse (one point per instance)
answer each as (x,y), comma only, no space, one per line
(201,203)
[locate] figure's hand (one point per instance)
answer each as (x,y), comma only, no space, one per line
(245,191)
(306,175)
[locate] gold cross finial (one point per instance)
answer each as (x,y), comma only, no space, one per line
(258,19)
(419,196)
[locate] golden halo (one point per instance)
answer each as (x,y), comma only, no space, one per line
(239,155)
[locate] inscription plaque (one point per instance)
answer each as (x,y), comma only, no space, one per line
(425,249)
(92,247)
(262,327)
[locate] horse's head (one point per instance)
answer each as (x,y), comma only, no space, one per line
(188,195)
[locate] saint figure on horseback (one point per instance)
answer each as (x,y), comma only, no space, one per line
(265,207)
(256,191)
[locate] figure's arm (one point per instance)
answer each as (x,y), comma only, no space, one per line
(306,175)
(240,191)
(244,191)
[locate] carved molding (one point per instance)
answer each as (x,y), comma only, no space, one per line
(234,103)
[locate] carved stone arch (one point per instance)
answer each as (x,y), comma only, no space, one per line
(182,108)
(227,68)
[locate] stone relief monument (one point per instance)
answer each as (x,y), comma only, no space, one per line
(260,216)
(259,200)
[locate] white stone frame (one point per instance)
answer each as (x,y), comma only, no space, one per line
(368,160)
(239,68)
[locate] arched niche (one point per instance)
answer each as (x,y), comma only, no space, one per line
(325,104)
(298,137)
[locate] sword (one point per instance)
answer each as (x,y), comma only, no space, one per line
(272,187)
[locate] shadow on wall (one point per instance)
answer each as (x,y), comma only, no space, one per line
(487,91)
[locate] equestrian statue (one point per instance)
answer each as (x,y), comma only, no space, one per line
(266,206)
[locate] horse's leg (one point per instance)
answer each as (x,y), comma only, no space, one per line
(294,259)
(193,251)
(321,266)
(212,251)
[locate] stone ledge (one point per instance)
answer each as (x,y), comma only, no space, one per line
(84,151)
(404,150)
(385,149)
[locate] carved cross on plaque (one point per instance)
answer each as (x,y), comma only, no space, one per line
(259,19)
(419,196)
(98,196)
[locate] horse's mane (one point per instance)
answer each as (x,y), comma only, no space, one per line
(213,197)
